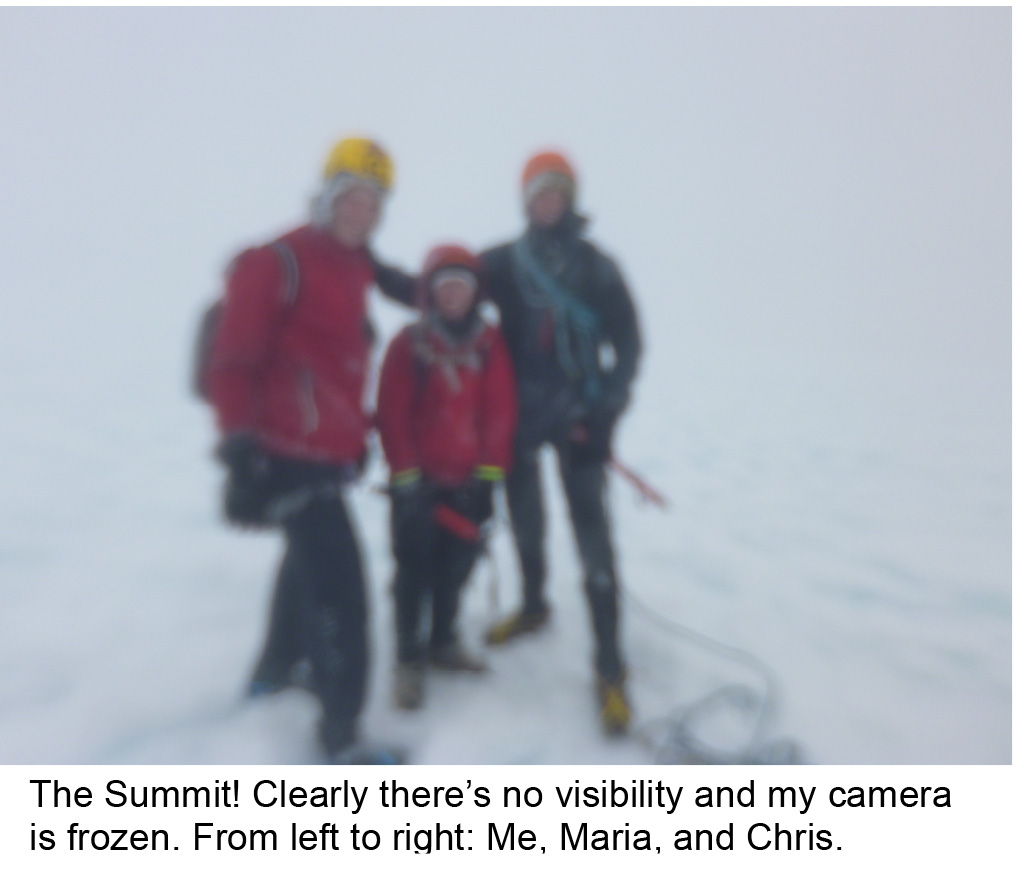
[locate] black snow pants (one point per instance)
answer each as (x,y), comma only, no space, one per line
(432,566)
(584,483)
(319,610)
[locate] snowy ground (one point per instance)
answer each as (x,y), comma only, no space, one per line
(855,540)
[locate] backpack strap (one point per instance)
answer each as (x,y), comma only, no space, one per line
(571,314)
(290,263)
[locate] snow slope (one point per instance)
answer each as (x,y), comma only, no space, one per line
(867,566)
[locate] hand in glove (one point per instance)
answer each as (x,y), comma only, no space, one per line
(474,500)
(247,489)
(590,441)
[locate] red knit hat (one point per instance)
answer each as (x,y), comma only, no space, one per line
(445,257)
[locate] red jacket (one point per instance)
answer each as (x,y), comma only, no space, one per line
(446,408)
(295,375)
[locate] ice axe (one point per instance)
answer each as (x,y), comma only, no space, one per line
(457,524)
(446,517)
(460,526)
(647,492)
(580,434)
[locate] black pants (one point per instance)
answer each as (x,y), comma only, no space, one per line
(432,566)
(584,484)
(319,608)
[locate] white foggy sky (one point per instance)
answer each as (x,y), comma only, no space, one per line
(816,186)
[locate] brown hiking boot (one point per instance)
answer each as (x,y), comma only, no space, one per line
(454,658)
(409,683)
(519,623)
(615,710)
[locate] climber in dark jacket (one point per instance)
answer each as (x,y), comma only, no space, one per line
(572,332)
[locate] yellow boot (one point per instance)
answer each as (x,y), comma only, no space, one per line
(519,623)
(615,710)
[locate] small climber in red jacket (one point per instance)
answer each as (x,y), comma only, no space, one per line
(446,412)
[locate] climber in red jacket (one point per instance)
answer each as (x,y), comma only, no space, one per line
(287,369)
(446,413)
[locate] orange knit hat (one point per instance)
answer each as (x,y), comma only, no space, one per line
(548,170)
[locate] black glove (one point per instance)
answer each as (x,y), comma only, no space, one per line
(474,500)
(411,502)
(248,489)
(590,441)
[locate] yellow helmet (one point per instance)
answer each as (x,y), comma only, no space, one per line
(361,158)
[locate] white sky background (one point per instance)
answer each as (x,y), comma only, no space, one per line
(808,180)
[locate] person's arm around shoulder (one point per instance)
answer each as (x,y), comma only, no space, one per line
(394,283)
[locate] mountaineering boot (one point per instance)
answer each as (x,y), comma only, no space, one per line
(520,623)
(269,679)
(454,658)
(409,679)
(260,686)
(615,710)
